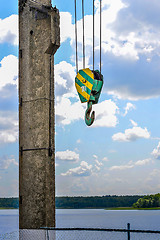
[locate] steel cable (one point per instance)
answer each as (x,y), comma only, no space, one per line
(93,35)
(83,25)
(76,35)
(83,34)
(100,36)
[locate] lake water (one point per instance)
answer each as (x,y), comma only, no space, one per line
(97,218)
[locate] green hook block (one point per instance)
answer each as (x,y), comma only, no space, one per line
(89,85)
(84,84)
(97,87)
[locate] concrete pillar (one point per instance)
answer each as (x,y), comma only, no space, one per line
(39,38)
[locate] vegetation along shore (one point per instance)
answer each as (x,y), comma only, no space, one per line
(108,202)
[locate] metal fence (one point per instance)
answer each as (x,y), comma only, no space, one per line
(10,236)
(82,234)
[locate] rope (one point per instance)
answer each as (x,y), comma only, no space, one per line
(93,35)
(83,35)
(100,36)
(76,35)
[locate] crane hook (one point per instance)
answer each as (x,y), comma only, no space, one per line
(89,120)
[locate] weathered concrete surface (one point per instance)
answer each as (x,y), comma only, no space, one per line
(39,36)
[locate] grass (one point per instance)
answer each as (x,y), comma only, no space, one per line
(2,208)
(131,208)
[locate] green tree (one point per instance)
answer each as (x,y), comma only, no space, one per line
(149,201)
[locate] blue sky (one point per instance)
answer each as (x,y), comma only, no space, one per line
(120,153)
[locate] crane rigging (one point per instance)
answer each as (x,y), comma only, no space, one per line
(88,82)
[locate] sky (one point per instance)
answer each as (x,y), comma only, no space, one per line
(120,153)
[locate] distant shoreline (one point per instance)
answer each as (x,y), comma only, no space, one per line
(114,209)
(3,208)
(131,208)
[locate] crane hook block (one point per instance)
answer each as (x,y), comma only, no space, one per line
(89,85)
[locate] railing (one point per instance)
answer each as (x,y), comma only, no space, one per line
(128,230)
(82,234)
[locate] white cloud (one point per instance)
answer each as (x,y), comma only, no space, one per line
(8,71)
(105,159)
(9,30)
(133,123)
(64,78)
(6,162)
(131,134)
(128,107)
(8,127)
(83,170)
(8,136)
(68,111)
(122,167)
(156,152)
(131,164)
(97,168)
(98,163)
(143,162)
(66,26)
(122,182)
(105,114)
(155,172)
(111,9)
(67,155)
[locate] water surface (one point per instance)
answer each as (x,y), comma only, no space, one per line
(96,218)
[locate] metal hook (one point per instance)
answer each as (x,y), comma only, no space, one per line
(89,120)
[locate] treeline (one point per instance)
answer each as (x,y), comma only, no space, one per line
(9,203)
(149,201)
(82,202)
(96,201)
